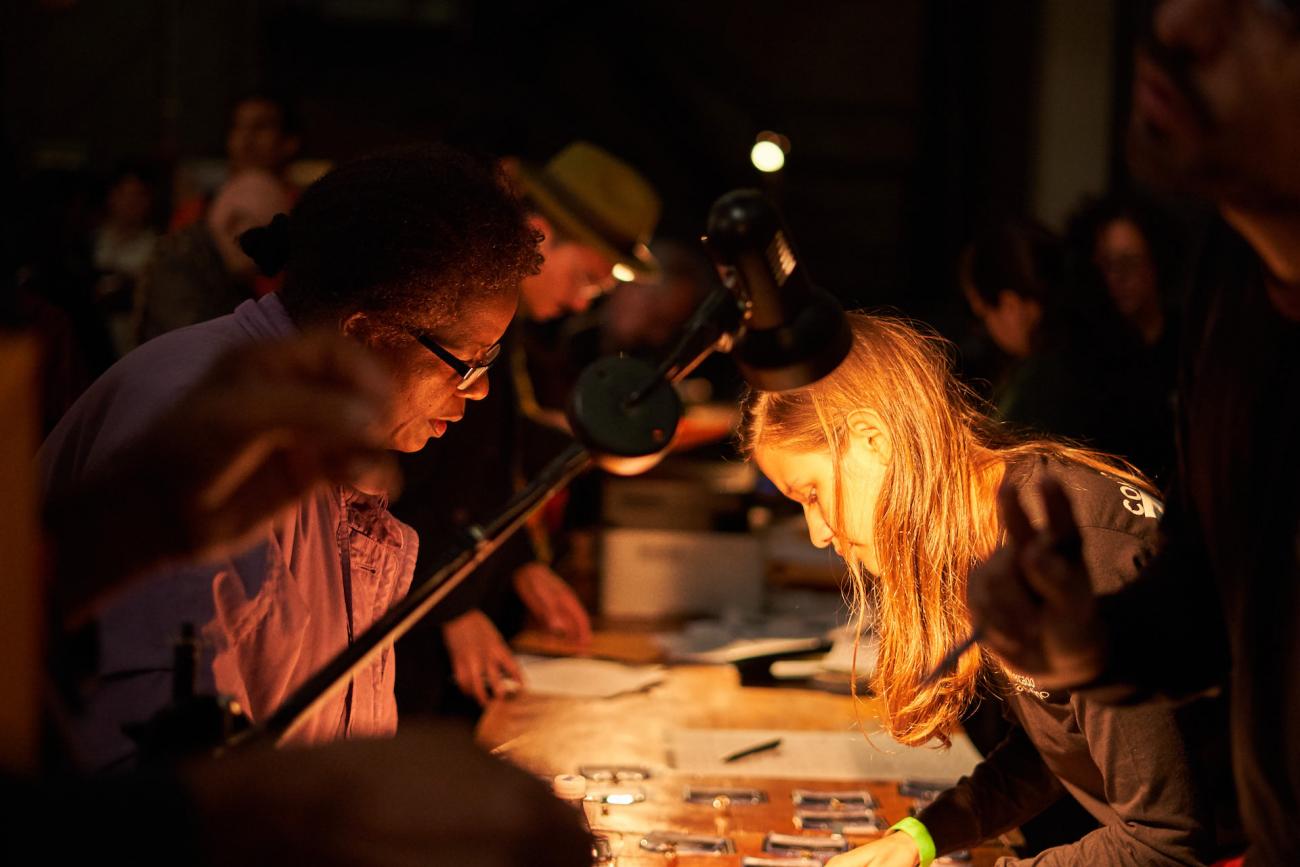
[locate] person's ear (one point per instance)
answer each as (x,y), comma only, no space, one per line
(359,327)
(1009,302)
(1021,309)
(543,225)
(867,431)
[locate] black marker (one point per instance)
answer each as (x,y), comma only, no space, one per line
(756,748)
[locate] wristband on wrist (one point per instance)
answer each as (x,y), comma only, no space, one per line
(920,835)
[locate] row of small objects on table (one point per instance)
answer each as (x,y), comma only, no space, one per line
(833,814)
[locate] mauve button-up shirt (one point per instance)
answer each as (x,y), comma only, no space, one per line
(270,616)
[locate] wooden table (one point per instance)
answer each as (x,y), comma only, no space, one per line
(551,736)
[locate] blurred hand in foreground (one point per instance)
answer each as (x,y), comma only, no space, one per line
(1033,598)
(429,797)
(266,424)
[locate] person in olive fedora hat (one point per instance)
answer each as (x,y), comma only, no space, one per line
(597,215)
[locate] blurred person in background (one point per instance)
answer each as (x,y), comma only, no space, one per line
(200,272)
(1123,247)
(1069,353)
(380,250)
(1126,241)
(122,246)
(595,215)
(262,135)
(54,279)
(643,317)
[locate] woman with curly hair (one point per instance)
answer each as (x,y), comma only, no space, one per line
(898,470)
(417,255)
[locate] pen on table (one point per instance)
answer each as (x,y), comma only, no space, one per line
(749,751)
(949,662)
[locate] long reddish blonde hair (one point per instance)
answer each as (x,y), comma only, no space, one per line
(936,517)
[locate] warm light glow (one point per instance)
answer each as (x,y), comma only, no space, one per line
(621,799)
(767,156)
(622,273)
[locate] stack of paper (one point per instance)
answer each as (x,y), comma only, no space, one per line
(576,677)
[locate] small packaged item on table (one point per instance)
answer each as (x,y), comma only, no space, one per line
(618,795)
(798,846)
(857,822)
(851,799)
(615,773)
(664,842)
(734,795)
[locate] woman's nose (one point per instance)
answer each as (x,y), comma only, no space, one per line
(819,532)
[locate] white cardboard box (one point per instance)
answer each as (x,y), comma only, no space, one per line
(667,573)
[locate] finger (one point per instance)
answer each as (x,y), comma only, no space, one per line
(462,676)
(552,614)
(368,470)
(302,407)
(469,674)
(501,667)
(1060,517)
(347,362)
(1014,518)
(509,664)
(269,483)
(544,606)
(477,685)
(1059,579)
(557,621)
(240,520)
(493,676)
(999,601)
(578,619)
(525,581)
(240,439)
(530,598)
(322,358)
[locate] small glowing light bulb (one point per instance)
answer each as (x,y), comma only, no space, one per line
(622,273)
(767,156)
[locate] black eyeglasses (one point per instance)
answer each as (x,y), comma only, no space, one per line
(468,373)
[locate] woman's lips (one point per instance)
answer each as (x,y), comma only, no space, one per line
(439,425)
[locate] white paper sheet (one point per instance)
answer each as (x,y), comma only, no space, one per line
(817,756)
(745,648)
(576,677)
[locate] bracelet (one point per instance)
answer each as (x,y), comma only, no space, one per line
(920,835)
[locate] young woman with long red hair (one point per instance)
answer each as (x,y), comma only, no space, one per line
(898,470)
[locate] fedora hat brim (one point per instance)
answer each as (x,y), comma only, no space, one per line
(583,226)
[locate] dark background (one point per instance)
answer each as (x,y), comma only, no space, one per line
(911,123)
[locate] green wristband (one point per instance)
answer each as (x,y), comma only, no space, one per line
(920,835)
